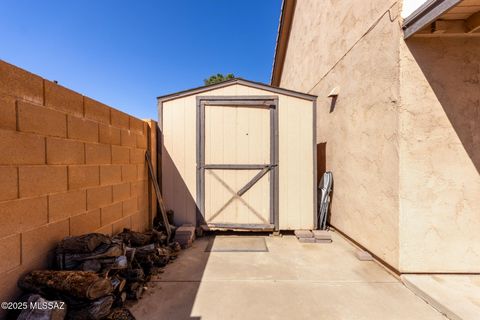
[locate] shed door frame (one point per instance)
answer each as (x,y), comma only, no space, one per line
(270,102)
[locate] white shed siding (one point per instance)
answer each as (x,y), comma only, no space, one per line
(296,167)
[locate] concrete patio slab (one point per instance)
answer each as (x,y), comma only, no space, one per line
(457,296)
(292,280)
(237,244)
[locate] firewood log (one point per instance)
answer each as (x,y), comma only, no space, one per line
(133,275)
(79,284)
(120,299)
(130,253)
(134,290)
(73,261)
(159,236)
(94,310)
(118,283)
(133,238)
(91,265)
(113,250)
(46,310)
(85,243)
(146,249)
(120,314)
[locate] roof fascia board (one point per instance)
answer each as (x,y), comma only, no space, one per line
(247,83)
(283,35)
(425,14)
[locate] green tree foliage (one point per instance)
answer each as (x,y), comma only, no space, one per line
(218,78)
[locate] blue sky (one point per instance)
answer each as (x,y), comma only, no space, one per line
(126,53)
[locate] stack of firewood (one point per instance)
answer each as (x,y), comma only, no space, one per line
(96,273)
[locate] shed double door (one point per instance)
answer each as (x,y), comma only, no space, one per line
(237,162)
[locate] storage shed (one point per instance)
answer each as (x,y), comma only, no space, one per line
(239,155)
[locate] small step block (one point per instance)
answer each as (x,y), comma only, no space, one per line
(303,234)
(364,255)
(323,240)
(306,240)
(322,234)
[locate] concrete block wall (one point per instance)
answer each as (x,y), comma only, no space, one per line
(68,165)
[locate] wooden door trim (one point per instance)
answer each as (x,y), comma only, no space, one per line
(270,102)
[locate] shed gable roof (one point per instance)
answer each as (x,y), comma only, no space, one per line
(234,81)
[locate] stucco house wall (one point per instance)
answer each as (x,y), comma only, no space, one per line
(362,129)
(440,155)
(402,139)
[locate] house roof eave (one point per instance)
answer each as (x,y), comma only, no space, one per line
(283,35)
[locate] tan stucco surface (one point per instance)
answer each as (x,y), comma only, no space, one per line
(361,132)
(440,155)
(403,140)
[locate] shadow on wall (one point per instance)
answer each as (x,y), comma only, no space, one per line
(452,68)
(176,193)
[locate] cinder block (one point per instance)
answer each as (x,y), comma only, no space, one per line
(39,180)
(136,125)
(306,240)
(108,230)
(142,171)
(98,153)
(63,151)
(37,242)
(130,206)
(322,234)
(41,120)
(67,204)
(19,83)
(186,228)
(141,141)
(83,176)
(129,172)
(110,174)
(303,234)
(136,222)
(323,240)
(137,155)
(97,111)
(121,224)
(186,244)
(109,134)
(111,213)
(8,281)
(139,188)
(364,255)
(119,119)
(142,200)
(8,183)
(82,129)
(120,155)
(19,148)
(22,214)
(185,234)
(179,237)
(85,222)
(99,197)
(64,99)
(8,113)
(121,191)
(10,252)
(128,138)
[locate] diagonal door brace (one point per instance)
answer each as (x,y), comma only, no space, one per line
(243,190)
